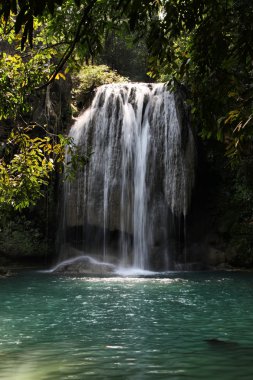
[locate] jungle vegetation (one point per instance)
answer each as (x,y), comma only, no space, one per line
(206,46)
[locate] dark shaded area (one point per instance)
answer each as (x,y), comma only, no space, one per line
(219,225)
(222,344)
(127,56)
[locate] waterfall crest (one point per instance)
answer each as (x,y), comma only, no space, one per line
(139,177)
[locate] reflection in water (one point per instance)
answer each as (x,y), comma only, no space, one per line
(220,343)
(28,368)
(180,326)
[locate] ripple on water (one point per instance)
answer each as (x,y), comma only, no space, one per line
(127,327)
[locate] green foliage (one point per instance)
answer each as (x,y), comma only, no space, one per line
(18,78)
(26,11)
(27,164)
(207,46)
(74,158)
(25,168)
(29,154)
(126,53)
(94,76)
(81,26)
(89,78)
(19,237)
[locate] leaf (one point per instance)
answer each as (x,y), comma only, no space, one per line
(219,135)
(220,120)
(232,116)
(232,94)
(59,76)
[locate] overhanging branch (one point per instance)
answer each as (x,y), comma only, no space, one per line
(71,48)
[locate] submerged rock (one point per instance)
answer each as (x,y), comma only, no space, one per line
(4,272)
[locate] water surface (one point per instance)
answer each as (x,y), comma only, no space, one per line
(178,326)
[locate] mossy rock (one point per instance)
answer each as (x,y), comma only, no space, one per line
(88,79)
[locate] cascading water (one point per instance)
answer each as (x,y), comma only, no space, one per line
(139,176)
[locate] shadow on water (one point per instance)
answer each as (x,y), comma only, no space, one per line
(217,343)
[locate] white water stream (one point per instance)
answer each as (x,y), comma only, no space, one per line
(139,176)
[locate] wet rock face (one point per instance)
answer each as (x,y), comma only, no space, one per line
(53,109)
(141,173)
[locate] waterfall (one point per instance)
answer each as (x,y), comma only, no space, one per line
(139,178)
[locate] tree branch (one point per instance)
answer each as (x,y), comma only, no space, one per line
(71,48)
